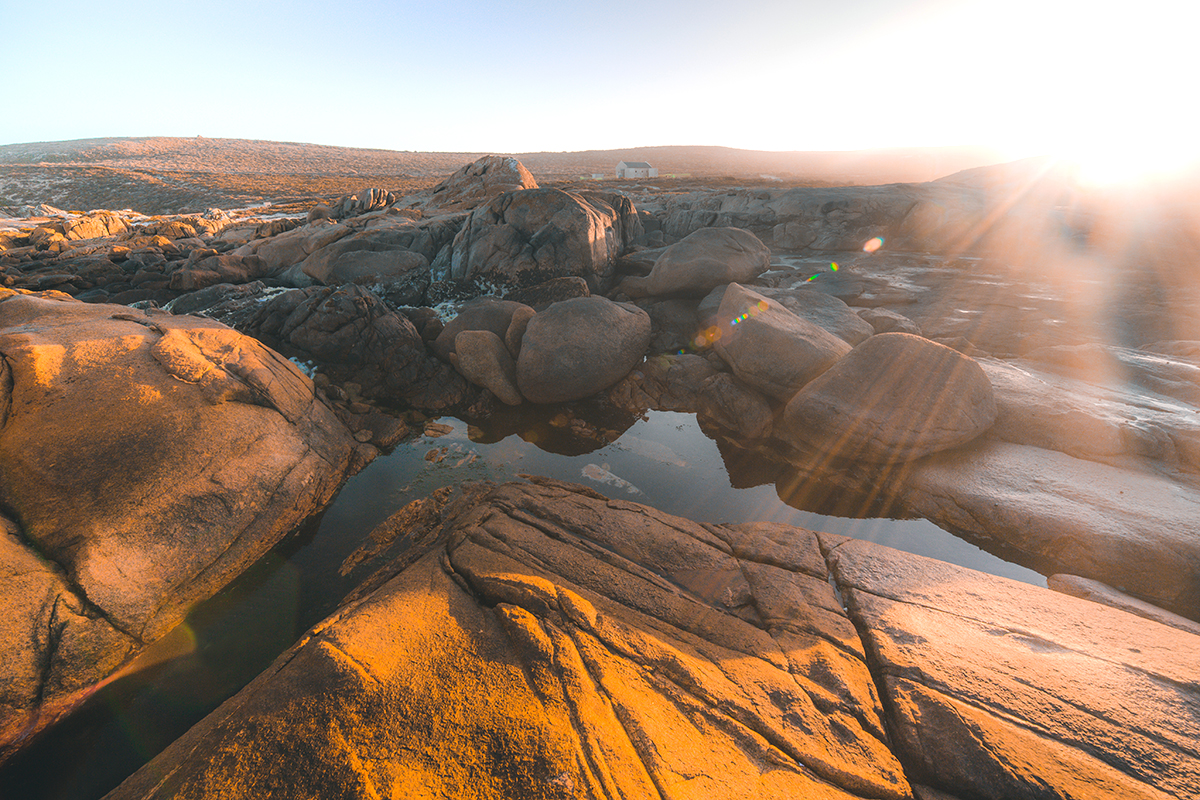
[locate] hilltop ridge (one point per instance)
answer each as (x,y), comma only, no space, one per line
(162,174)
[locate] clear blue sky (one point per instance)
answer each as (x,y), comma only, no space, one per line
(471,75)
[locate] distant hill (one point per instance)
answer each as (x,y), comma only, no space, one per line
(158,174)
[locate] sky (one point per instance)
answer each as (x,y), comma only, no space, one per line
(1108,80)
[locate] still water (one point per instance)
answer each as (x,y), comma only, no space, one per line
(664,460)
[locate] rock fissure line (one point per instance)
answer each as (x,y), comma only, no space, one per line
(596,772)
(598,550)
(618,712)
(6,387)
(87,607)
(878,673)
(732,715)
(46,663)
(871,658)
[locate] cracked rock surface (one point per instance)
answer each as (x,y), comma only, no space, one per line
(540,640)
(145,461)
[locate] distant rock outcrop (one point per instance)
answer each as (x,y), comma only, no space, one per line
(478,183)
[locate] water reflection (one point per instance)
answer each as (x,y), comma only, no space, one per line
(663,459)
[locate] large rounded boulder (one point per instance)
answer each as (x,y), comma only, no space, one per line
(579,347)
(702,261)
(145,461)
(895,397)
(524,238)
(768,346)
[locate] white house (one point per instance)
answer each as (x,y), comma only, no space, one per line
(636,169)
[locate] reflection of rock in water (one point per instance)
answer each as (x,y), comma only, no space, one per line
(811,482)
(576,430)
(600,474)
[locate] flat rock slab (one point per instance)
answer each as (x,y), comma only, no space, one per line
(996,689)
(553,643)
(1100,416)
(1130,529)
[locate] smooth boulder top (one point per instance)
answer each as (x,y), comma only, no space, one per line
(768,346)
(478,182)
(700,262)
(149,460)
(580,346)
(895,397)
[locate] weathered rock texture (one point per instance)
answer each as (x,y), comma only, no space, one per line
(558,644)
(996,689)
(528,237)
(1130,529)
(543,641)
(145,461)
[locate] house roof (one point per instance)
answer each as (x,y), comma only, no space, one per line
(635,164)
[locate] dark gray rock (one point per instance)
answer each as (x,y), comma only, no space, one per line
(579,347)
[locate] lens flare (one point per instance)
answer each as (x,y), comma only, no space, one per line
(873,244)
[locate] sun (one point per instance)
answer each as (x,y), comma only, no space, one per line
(1126,160)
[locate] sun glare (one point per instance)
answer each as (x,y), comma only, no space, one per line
(1122,161)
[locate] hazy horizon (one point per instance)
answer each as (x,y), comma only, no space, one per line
(1026,78)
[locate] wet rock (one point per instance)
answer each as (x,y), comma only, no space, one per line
(895,397)
(701,261)
(663,383)
(1097,416)
(735,406)
(769,347)
(149,460)
(579,347)
(557,644)
(354,336)
(544,295)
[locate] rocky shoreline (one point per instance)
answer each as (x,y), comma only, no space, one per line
(984,351)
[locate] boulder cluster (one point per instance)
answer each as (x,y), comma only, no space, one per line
(177,394)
